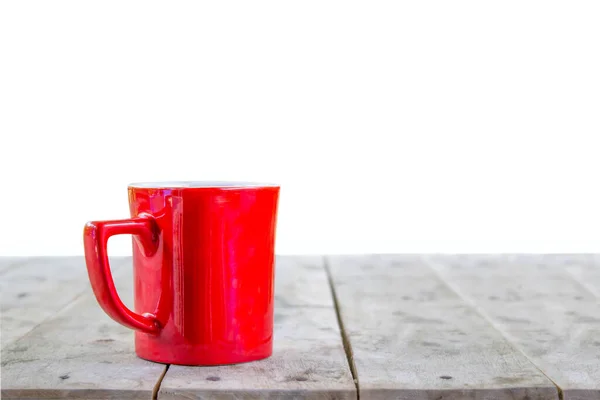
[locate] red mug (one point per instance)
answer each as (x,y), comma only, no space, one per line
(203,258)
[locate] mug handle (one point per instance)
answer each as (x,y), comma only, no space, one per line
(95,238)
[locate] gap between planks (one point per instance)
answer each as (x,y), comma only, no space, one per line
(41,374)
(578,267)
(538,304)
(308,361)
(584,285)
(345,339)
(156,388)
(481,312)
(388,305)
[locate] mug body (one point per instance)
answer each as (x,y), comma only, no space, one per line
(210,281)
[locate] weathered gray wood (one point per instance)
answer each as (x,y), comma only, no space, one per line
(540,308)
(585,269)
(412,337)
(34,289)
(308,360)
(9,262)
(300,282)
(79,353)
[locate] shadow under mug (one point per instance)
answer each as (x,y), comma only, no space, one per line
(203,268)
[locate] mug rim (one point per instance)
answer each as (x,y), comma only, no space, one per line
(201,185)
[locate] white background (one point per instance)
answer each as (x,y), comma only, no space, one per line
(417,126)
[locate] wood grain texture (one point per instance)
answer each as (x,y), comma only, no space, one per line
(299,282)
(412,337)
(584,268)
(308,360)
(34,289)
(7,263)
(537,304)
(79,353)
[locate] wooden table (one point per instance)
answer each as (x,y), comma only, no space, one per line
(374,327)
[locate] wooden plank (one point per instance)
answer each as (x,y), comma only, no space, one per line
(7,263)
(412,337)
(300,282)
(541,309)
(34,289)
(79,353)
(308,361)
(585,269)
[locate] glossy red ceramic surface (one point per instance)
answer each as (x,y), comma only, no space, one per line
(203,259)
